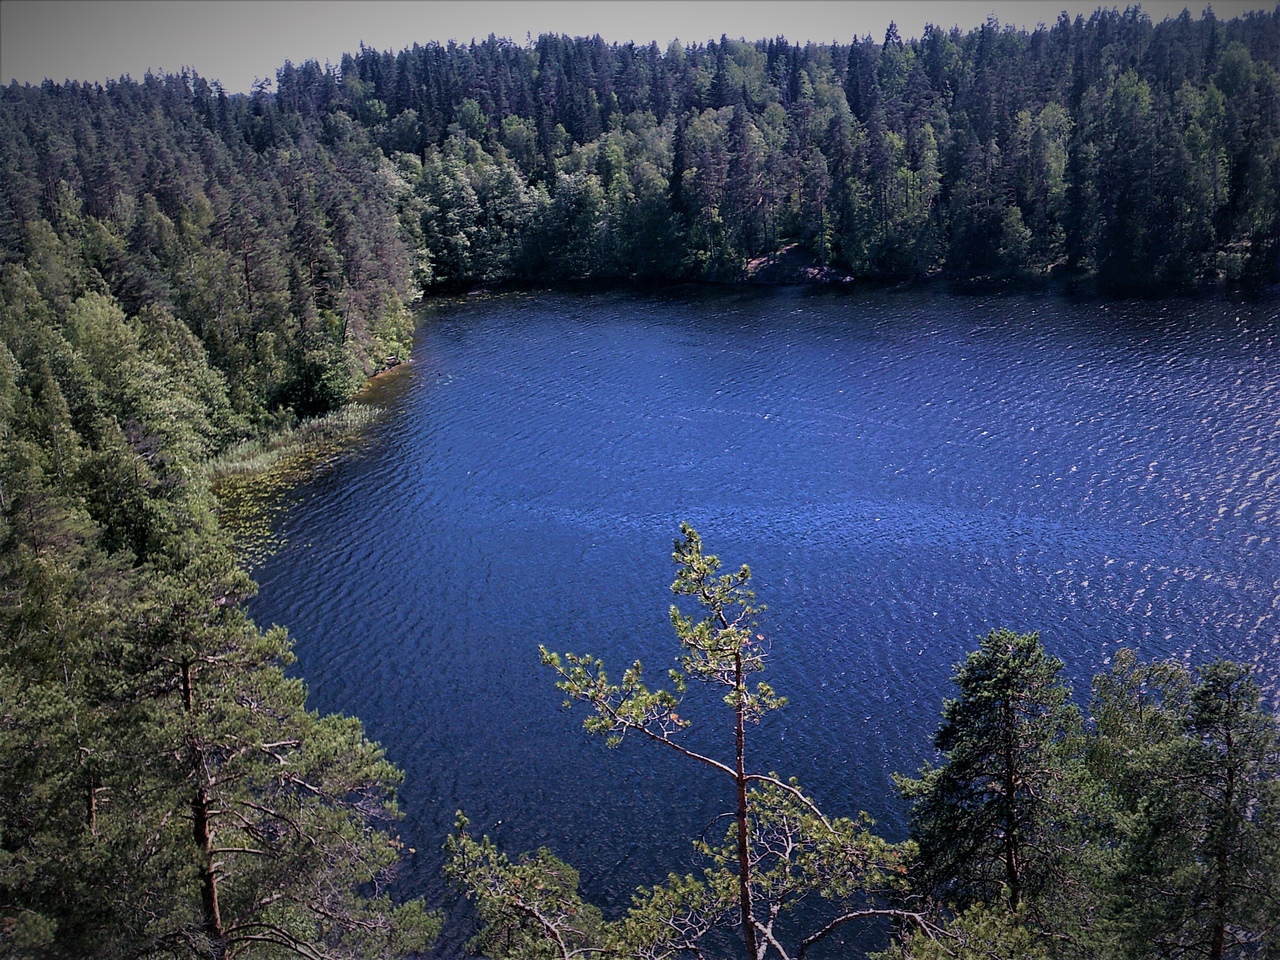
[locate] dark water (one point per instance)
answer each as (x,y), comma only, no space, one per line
(903,471)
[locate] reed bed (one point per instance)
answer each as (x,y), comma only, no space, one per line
(259,455)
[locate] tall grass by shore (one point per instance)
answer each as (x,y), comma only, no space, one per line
(261,454)
(251,478)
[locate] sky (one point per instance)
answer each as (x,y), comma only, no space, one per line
(239,41)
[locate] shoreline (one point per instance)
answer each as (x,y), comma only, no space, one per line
(1074,287)
(260,455)
(787,268)
(249,481)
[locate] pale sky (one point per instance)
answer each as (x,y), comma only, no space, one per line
(237,41)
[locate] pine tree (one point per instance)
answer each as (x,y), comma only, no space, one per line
(780,850)
(162,785)
(1191,768)
(982,818)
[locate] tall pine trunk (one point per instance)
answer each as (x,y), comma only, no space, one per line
(1222,863)
(1011,877)
(202,831)
(744,855)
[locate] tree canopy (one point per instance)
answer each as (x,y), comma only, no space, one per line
(182,269)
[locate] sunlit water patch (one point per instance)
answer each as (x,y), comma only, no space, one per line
(903,472)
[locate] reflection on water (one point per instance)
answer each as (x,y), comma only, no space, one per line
(903,471)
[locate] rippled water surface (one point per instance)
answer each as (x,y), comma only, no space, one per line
(903,471)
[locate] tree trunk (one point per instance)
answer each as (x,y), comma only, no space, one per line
(1011,877)
(203,835)
(744,860)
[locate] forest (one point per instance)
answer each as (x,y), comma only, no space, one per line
(184,271)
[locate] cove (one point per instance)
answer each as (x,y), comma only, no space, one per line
(902,470)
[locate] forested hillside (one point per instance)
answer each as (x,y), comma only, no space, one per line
(181,269)
(1145,154)
(288,230)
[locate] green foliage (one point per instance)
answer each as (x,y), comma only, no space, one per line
(992,155)
(1191,767)
(1145,153)
(1150,833)
(780,851)
(163,788)
(984,819)
(722,649)
(529,910)
(981,932)
(265,264)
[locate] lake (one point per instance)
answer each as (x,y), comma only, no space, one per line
(902,470)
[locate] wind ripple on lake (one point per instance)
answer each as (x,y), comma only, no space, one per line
(902,471)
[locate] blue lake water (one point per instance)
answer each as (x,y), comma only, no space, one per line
(903,471)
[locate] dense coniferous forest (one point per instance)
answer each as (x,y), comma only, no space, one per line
(182,269)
